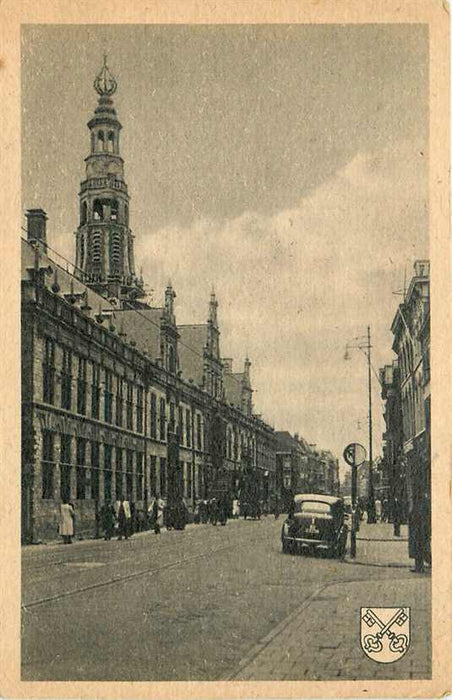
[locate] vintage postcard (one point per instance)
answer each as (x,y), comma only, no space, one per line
(226,280)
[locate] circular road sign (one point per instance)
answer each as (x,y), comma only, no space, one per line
(355,454)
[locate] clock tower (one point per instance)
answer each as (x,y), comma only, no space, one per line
(104,241)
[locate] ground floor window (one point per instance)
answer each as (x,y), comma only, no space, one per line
(107,484)
(47,465)
(95,470)
(139,479)
(129,475)
(153,476)
(162,476)
(81,469)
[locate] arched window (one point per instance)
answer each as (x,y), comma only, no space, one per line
(115,252)
(114,210)
(98,210)
(84,213)
(82,250)
(100,141)
(96,252)
(126,214)
(110,142)
(93,142)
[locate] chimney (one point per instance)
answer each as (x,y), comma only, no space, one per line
(227,364)
(36,226)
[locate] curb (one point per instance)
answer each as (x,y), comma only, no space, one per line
(265,641)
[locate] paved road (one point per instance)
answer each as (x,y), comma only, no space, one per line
(180,606)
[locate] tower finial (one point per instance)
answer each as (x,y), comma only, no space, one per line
(105,83)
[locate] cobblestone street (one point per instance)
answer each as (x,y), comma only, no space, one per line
(214,603)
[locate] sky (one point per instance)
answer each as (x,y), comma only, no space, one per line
(284,165)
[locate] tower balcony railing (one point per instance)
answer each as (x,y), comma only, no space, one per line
(96,183)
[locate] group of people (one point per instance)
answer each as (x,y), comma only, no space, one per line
(121,519)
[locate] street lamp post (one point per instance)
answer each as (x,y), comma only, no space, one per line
(363,343)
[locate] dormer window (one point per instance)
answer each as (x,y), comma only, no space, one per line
(100,141)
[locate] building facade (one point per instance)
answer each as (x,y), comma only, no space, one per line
(411,331)
(118,401)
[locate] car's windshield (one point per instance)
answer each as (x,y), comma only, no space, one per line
(312,507)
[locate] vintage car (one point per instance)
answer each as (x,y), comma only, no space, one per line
(315,522)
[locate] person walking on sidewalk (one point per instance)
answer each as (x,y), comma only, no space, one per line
(67,517)
(157,514)
(107,520)
(397,516)
(122,521)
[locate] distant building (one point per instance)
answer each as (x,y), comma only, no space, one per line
(394,475)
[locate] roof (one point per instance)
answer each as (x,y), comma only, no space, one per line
(232,382)
(66,281)
(318,497)
(142,326)
(191,358)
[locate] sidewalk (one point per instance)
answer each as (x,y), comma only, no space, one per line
(321,640)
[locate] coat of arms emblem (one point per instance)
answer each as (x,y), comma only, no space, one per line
(385,633)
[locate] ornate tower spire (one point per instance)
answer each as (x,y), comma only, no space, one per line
(104,241)
(213,309)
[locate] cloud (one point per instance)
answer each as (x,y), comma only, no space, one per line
(295,286)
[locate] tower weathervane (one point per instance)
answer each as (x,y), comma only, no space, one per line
(105,84)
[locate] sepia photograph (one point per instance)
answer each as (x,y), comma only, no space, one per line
(226,459)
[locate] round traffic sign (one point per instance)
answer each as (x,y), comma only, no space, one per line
(355,454)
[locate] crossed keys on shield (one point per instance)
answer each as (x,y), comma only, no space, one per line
(398,643)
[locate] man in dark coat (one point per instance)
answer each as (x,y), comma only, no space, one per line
(107,520)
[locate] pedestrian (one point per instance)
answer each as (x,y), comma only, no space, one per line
(276,507)
(122,520)
(396,516)
(107,520)
(384,510)
(378,510)
(157,514)
(235,508)
(67,519)
(213,511)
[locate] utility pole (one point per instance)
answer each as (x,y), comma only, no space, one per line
(371,516)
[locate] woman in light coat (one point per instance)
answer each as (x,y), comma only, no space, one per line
(67,516)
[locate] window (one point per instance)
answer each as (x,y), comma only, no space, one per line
(108,404)
(110,142)
(81,469)
(47,465)
(181,425)
(82,248)
(139,479)
(95,470)
(66,379)
(48,371)
(83,216)
(172,418)
(153,416)
(140,409)
(96,248)
(115,247)
(189,480)
(129,406)
(129,475)
(162,418)
(65,467)
(119,400)
(188,427)
(119,486)
(153,475)
(162,476)
(81,386)
(198,431)
(100,141)
(200,490)
(107,472)
(95,392)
